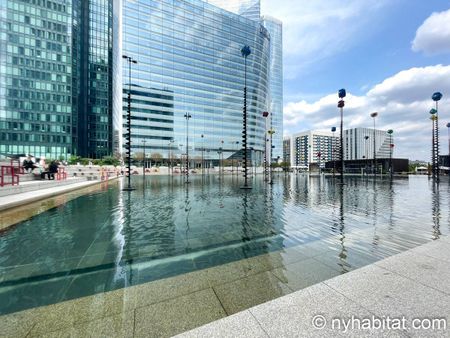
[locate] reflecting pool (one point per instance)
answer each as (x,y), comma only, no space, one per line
(109,239)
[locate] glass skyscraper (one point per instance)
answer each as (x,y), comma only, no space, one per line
(250,9)
(190,62)
(56,77)
(275,28)
(36,77)
(93,83)
(63,82)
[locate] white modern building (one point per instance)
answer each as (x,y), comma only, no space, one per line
(313,147)
(359,143)
(310,147)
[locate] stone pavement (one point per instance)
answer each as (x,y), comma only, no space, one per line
(408,293)
(414,284)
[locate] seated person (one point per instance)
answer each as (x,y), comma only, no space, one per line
(29,165)
(52,170)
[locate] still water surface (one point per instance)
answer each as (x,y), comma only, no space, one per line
(112,239)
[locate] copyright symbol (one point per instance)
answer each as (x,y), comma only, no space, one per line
(319,322)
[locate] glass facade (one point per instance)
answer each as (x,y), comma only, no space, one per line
(36,77)
(189,61)
(275,28)
(56,77)
(250,9)
(93,45)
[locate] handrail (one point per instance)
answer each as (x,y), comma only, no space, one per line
(8,170)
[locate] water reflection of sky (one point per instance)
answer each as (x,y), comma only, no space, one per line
(113,239)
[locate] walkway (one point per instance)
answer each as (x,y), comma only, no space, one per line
(411,291)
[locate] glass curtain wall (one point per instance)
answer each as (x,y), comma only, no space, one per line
(93,40)
(190,62)
(36,78)
(275,28)
(250,9)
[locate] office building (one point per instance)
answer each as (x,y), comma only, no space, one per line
(190,64)
(303,149)
(275,28)
(55,77)
(250,9)
(63,81)
(93,78)
(359,144)
(36,78)
(311,147)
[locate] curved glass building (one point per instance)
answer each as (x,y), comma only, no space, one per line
(275,28)
(190,63)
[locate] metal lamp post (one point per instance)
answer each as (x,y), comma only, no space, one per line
(391,145)
(203,155)
(237,160)
(342,93)
(433,119)
(171,155)
(143,162)
(265,115)
(448,159)
(318,158)
(366,143)
(130,61)
(220,160)
(187,116)
(333,130)
(271,132)
(245,51)
(436,97)
(374,115)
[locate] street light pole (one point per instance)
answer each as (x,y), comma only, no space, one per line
(187,116)
(143,164)
(448,159)
(265,115)
(171,155)
(203,158)
(342,93)
(245,53)
(333,130)
(366,154)
(436,97)
(130,61)
(390,131)
(374,115)
(271,132)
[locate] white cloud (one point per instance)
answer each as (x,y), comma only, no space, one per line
(316,30)
(433,36)
(403,102)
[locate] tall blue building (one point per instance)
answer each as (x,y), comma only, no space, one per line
(63,82)
(56,77)
(36,74)
(93,81)
(190,63)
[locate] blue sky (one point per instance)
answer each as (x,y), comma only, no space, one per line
(366,47)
